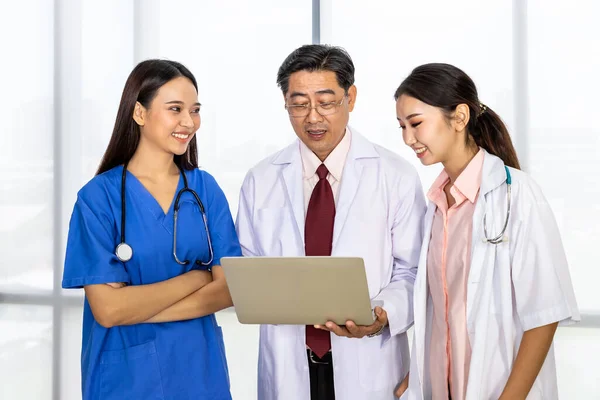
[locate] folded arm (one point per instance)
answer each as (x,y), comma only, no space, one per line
(113,305)
(209,299)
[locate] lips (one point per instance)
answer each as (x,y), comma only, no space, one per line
(316,134)
(420,152)
(182,137)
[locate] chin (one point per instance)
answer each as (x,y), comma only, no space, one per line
(428,161)
(179,151)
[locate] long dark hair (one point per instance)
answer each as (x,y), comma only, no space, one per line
(446,86)
(142,86)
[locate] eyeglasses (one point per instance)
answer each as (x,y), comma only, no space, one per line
(324,109)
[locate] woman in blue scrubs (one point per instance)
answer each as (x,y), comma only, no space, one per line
(149,330)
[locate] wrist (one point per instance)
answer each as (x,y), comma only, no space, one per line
(377,333)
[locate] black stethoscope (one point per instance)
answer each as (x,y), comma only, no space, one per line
(124,252)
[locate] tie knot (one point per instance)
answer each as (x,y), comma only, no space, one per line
(322,171)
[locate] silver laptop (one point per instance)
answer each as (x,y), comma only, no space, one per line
(298,290)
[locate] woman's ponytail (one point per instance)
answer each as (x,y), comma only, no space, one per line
(490,133)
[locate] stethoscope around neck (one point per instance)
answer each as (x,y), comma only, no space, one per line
(501,237)
(124,252)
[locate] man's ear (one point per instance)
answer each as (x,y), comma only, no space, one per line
(352,91)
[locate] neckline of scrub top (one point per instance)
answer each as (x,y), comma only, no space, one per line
(150,201)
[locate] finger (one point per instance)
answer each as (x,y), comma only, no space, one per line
(351,326)
(402,387)
(381,315)
(325,327)
(360,331)
(400,391)
(338,330)
(374,327)
(355,330)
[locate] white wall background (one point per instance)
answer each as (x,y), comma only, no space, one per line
(65,63)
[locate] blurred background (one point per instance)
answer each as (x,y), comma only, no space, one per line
(66,61)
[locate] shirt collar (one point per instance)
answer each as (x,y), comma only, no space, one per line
(467,184)
(334,162)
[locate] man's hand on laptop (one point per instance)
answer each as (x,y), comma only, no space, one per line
(351,330)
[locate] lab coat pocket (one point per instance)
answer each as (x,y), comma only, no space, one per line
(131,373)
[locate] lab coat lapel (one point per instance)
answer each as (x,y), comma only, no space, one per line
(348,188)
(483,253)
(360,148)
(292,179)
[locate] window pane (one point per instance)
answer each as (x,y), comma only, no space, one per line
(26,147)
(564,137)
(106,61)
(234,50)
(71,353)
(25,352)
(99,64)
(386,40)
(576,351)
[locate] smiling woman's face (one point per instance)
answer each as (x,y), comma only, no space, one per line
(427,130)
(172,118)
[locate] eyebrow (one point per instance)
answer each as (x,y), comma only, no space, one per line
(180,102)
(322,91)
(410,116)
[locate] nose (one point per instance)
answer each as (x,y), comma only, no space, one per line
(408,137)
(186,120)
(313,116)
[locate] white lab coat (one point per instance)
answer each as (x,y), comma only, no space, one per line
(512,287)
(378,217)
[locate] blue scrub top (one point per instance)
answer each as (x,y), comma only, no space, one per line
(174,360)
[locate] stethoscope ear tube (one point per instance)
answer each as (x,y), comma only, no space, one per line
(124,252)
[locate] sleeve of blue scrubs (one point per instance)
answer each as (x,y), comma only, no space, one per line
(90,257)
(220,223)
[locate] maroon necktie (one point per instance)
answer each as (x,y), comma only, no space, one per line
(318,235)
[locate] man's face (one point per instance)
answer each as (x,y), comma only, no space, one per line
(320,90)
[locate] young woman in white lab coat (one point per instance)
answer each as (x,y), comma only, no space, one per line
(493,282)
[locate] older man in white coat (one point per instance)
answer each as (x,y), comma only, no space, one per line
(332,192)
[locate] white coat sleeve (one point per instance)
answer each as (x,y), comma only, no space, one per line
(407,237)
(540,272)
(244,222)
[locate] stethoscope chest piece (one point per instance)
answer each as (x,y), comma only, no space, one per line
(124,252)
